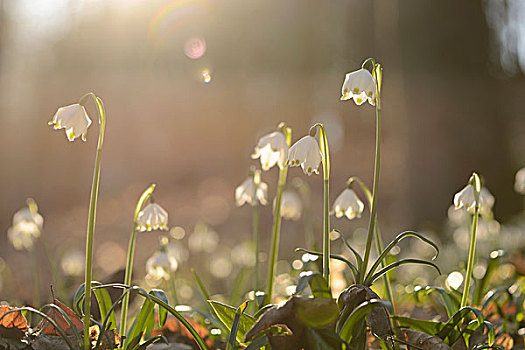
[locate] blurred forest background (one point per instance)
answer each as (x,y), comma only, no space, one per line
(190,85)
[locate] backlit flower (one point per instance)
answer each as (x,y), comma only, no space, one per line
(252,193)
(160,264)
(347,203)
(306,153)
(519,183)
(466,199)
(26,228)
(74,119)
(291,206)
(152,217)
(360,86)
(271,149)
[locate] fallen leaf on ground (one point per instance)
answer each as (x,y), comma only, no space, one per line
(48,329)
(13,325)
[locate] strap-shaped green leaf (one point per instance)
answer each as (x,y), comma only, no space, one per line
(227,313)
(394,242)
(235,326)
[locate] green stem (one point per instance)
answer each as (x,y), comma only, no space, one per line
(36,279)
(326,233)
(256,246)
(323,140)
(91,221)
(276,228)
(378,239)
(173,288)
(471,254)
(131,252)
(373,210)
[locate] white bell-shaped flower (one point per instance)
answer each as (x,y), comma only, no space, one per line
(305,152)
(271,149)
(291,205)
(26,215)
(23,235)
(252,193)
(466,199)
(74,119)
(26,228)
(160,264)
(360,86)
(519,183)
(349,204)
(152,217)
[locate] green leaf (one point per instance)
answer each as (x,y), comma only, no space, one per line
(392,244)
(139,325)
(317,283)
(163,313)
(316,312)
(428,327)
(450,306)
(384,270)
(257,343)
(358,257)
(203,290)
(353,324)
(227,313)
(352,267)
(104,305)
(78,298)
(144,345)
(262,310)
(235,325)
(473,325)
(449,329)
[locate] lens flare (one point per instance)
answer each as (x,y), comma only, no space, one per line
(206,76)
(195,48)
(173,16)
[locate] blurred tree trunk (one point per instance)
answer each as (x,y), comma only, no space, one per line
(445,56)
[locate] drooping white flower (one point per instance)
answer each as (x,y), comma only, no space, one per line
(271,149)
(291,205)
(349,204)
(305,152)
(26,228)
(252,193)
(74,119)
(466,199)
(23,235)
(519,183)
(160,264)
(152,217)
(26,215)
(359,85)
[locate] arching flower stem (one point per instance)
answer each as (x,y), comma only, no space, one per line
(377,72)
(92,215)
(131,252)
(476,183)
(276,228)
(323,144)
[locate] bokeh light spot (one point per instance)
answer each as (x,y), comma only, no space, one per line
(195,48)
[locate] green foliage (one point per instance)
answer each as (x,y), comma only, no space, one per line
(227,316)
(352,329)
(235,325)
